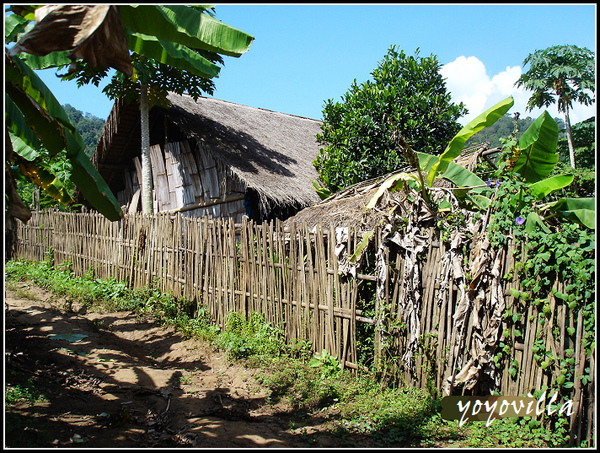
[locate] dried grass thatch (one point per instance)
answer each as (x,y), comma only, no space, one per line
(348,206)
(270,152)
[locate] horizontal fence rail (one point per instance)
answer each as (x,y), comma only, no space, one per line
(292,276)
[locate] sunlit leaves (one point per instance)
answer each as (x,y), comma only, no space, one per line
(37,119)
(408,96)
(186,26)
(538,154)
(457,143)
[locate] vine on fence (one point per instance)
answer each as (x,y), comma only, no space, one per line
(556,266)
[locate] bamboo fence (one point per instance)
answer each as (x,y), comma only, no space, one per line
(292,277)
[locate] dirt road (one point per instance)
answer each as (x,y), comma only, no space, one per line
(113,380)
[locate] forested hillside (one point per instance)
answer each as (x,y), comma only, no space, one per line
(88,126)
(503,128)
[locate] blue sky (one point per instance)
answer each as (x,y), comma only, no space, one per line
(304,54)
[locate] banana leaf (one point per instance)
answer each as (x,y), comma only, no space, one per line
(464,178)
(456,145)
(13,25)
(546,186)
(426,161)
(21,130)
(186,26)
(390,183)
(538,149)
(34,107)
(172,54)
(581,210)
(52,60)
(37,104)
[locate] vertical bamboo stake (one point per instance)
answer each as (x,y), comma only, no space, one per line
(575,426)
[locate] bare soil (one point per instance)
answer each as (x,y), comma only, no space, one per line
(115,380)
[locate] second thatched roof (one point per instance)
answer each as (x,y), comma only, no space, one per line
(348,206)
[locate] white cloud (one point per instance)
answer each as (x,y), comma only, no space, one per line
(468,82)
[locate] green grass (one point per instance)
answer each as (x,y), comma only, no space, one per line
(23,393)
(355,404)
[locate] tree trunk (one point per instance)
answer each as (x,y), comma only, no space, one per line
(146,164)
(570,138)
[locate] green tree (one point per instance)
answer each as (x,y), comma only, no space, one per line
(561,74)
(407,97)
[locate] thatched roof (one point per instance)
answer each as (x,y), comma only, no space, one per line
(270,152)
(347,207)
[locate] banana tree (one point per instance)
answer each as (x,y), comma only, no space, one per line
(182,37)
(35,119)
(531,160)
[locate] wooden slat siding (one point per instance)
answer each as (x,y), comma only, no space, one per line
(179,162)
(209,177)
(174,183)
(160,179)
(197,179)
(292,278)
(138,170)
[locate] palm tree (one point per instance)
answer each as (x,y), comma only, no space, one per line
(562,74)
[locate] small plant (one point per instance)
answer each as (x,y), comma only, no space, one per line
(253,337)
(23,393)
(328,365)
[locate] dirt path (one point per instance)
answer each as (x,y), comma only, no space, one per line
(112,380)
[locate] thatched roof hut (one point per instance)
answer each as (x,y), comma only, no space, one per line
(213,158)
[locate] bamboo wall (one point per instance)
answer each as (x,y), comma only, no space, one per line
(188,180)
(292,277)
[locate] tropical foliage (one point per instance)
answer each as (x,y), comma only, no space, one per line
(407,96)
(35,121)
(530,159)
(561,74)
(553,236)
(89,127)
(161,37)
